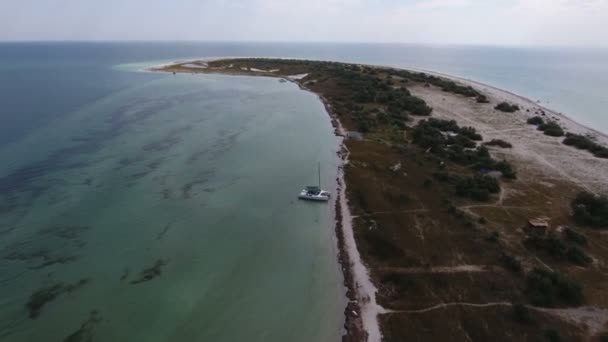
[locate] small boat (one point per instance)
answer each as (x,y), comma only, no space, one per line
(315,193)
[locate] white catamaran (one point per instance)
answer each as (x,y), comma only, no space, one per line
(315,193)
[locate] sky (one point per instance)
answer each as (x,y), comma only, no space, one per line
(485,22)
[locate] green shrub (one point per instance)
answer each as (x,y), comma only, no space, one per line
(574,236)
(506,107)
(477,187)
(470,133)
(557,249)
(482,99)
(576,255)
(521,313)
(584,143)
(499,143)
(493,237)
(549,289)
(537,120)
(445,84)
(552,336)
(506,169)
(511,263)
(380,246)
(551,128)
(591,210)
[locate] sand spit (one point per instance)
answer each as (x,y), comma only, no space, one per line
(538,159)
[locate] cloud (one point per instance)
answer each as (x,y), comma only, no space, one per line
(530,22)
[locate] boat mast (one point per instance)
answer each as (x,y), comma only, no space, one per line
(319,175)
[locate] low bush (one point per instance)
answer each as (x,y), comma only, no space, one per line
(549,289)
(557,249)
(591,210)
(493,237)
(576,255)
(470,133)
(537,120)
(380,246)
(477,187)
(584,143)
(574,236)
(551,128)
(482,99)
(552,336)
(511,263)
(506,107)
(521,313)
(499,143)
(506,169)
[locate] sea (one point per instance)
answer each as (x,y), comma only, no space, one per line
(138,206)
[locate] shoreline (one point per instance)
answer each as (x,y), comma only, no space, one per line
(361,314)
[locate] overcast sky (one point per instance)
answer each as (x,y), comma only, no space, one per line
(496,22)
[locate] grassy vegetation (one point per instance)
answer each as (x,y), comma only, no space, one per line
(585,143)
(511,263)
(536,120)
(551,289)
(443,83)
(551,128)
(499,143)
(521,314)
(574,237)
(446,139)
(477,187)
(557,248)
(507,107)
(591,210)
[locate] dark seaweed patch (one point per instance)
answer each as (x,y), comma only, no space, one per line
(155,164)
(125,162)
(139,175)
(39,253)
(22,179)
(201,179)
(49,261)
(167,193)
(164,232)
(69,232)
(187,188)
(85,332)
(150,273)
(162,145)
(7,230)
(125,274)
(49,293)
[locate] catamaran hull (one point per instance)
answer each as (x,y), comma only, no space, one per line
(317,199)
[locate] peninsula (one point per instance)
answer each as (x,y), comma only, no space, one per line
(464,212)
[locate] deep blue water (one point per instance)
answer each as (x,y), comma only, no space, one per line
(42,81)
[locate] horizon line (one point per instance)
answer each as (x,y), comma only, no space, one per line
(337,42)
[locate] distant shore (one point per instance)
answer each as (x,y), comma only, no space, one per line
(572,123)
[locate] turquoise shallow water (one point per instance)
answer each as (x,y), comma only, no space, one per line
(200,172)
